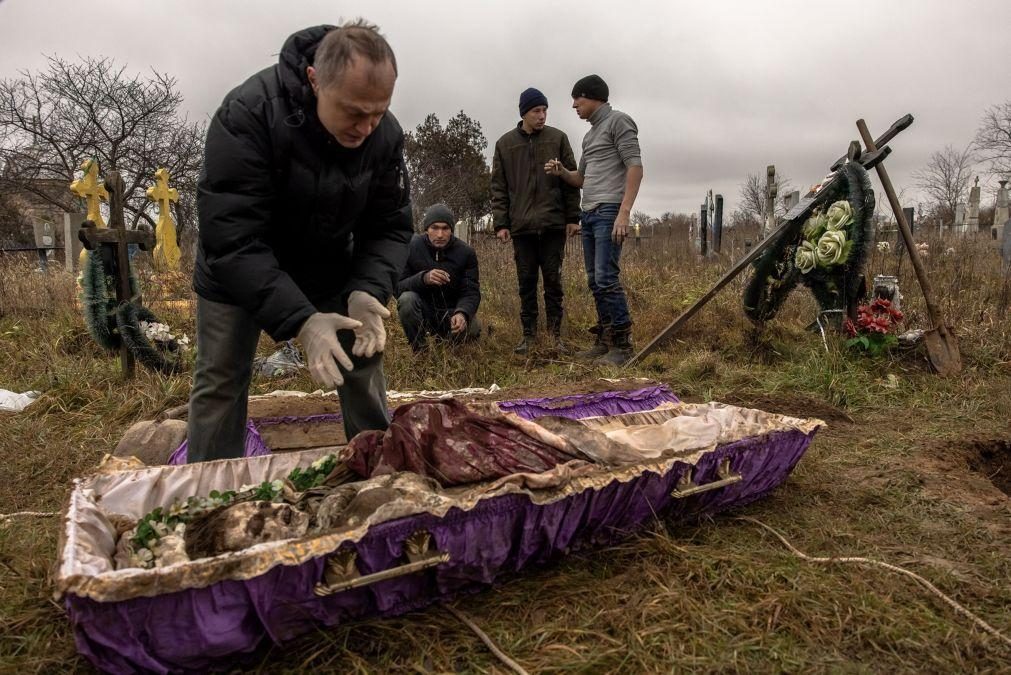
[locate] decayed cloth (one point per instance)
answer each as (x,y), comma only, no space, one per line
(455,445)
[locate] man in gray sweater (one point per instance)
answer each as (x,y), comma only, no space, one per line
(610,173)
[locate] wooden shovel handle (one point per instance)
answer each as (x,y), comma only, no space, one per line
(907,235)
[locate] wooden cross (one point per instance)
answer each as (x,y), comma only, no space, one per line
(92,191)
(113,243)
(166,252)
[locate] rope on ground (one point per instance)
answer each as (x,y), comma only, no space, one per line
(502,656)
(4,517)
(894,568)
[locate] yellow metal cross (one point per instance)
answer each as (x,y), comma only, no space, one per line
(166,251)
(92,190)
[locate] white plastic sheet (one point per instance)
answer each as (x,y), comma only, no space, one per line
(11,401)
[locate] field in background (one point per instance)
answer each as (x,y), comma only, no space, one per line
(912,469)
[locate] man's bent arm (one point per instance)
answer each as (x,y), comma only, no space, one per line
(633,179)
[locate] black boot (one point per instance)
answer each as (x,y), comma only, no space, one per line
(621,347)
(527,343)
(599,347)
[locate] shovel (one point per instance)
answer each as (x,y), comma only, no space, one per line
(942,347)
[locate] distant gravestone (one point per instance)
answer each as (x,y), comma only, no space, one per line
(972,214)
(959,225)
(791,199)
(718,225)
(1002,211)
(1006,245)
(45,240)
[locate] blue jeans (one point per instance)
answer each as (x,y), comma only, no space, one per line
(601,255)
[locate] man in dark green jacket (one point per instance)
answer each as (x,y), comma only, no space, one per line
(535,211)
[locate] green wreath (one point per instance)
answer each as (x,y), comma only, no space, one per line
(826,252)
(111,324)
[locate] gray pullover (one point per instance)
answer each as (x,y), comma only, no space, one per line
(611,145)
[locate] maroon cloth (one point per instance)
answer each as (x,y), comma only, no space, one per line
(453,445)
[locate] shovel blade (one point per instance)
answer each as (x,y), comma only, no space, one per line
(942,351)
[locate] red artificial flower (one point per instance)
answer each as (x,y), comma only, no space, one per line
(850,327)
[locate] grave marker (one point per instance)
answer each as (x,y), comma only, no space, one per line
(166,251)
(1006,245)
(1001,213)
(770,200)
(972,215)
(113,241)
(718,225)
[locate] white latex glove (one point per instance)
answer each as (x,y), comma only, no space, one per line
(370,335)
(323,351)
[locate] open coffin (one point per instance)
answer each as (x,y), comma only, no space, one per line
(426,542)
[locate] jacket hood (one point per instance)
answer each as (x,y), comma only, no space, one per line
(297,54)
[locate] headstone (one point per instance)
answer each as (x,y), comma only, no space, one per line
(972,214)
(900,242)
(72,246)
(1001,212)
(711,208)
(1005,250)
(166,251)
(791,199)
(958,227)
(45,240)
(770,200)
(703,231)
(718,225)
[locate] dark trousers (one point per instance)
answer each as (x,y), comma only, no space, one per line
(540,253)
(226,344)
(421,319)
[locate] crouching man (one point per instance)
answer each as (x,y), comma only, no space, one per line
(439,290)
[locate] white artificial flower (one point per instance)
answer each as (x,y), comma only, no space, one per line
(831,247)
(884,246)
(807,257)
(839,215)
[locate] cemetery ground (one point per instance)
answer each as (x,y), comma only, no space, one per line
(912,469)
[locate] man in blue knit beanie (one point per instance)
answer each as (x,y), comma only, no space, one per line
(535,211)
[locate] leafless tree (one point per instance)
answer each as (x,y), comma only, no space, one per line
(993,138)
(53,120)
(754,190)
(945,179)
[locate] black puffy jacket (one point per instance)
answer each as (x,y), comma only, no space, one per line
(461,294)
(287,216)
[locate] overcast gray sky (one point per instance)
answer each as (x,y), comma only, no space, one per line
(719,89)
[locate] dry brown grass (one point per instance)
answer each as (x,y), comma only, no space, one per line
(891,478)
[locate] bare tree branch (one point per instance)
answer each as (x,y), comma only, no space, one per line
(71,111)
(945,179)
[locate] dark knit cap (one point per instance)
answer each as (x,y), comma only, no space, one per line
(439,213)
(591,86)
(531,98)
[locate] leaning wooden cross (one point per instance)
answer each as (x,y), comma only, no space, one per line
(113,243)
(812,200)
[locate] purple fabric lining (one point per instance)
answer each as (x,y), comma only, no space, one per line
(576,406)
(197,629)
(254,446)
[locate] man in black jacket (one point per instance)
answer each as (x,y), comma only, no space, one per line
(534,210)
(439,290)
(304,212)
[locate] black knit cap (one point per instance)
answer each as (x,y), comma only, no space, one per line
(591,86)
(531,98)
(439,213)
